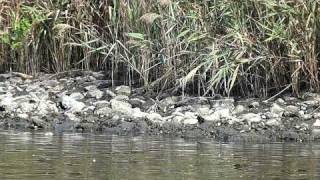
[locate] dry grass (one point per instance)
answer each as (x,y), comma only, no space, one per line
(252,47)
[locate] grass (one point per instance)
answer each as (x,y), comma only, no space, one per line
(247,48)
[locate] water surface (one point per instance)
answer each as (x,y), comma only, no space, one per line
(39,156)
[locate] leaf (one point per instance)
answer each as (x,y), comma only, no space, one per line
(149,18)
(136,35)
(183,33)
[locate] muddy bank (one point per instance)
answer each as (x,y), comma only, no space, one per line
(85,101)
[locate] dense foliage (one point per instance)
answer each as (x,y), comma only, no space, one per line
(249,47)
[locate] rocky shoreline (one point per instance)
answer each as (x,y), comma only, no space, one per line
(86,102)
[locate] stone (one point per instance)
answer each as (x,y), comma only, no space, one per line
(105,111)
(225,103)
(72,105)
(23,116)
(121,106)
(276,110)
(254,104)
(280,101)
(251,117)
(136,102)
(316,124)
(273,122)
(7,103)
(239,109)
(218,115)
(94,92)
(46,107)
(77,96)
(72,117)
(154,117)
(121,98)
(190,121)
(137,113)
(110,93)
(291,111)
(123,90)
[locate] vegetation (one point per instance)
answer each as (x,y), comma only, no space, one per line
(250,47)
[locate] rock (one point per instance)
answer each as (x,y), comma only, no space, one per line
(121,98)
(276,110)
(26,107)
(77,96)
(108,92)
(251,117)
(49,83)
(311,102)
(23,116)
(71,105)
(316,133)
(168,102)
(273,122)
(8,103)
(291,111)
(280,101)
(72,117)
(316,124)
(136,102)
(101,104)
(105,111)
(155,117)
(121,106)
(254,104)
(137,113)
(190,121)
(226,103)
(123,90)
(93,92)
(218,115)
(239,109)
(306,117)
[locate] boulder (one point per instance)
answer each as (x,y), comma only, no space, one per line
(123,90)
(71,105)
(251,117)
(94,92)
(276,110)
(121,106)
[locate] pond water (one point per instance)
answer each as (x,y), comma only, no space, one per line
(40,156)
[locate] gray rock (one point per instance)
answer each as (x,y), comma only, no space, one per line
(123,90)
(291,111)
(94,92)
(239,109)
(77,96)
(72,105)
(219,114)
(108,92)
(255,104)
(155,117)
(280,101)
(226,103)
(276,110)
(273,122)
(121,98)
(251,117)
(105,111)
(316,124)
(121,106)
(190,121)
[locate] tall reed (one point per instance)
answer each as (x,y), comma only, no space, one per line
(250,47)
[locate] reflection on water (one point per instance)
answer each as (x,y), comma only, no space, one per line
(39,156)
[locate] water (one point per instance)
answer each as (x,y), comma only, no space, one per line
(40,156)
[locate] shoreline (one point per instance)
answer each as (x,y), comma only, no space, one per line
(86,103)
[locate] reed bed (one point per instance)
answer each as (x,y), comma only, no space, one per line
(229,47)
